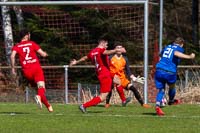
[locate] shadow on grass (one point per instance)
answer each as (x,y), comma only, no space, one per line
(14,113)
(153,114)
(94,112)
(112,105)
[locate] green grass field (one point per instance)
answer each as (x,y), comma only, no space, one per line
(27,118)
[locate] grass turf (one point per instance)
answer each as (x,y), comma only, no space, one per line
(27,118)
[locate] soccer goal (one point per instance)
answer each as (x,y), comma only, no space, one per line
(80,24)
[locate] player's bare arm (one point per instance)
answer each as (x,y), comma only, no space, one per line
(109,52)
(42,53)
(74,61)
(184,56)
(12,59)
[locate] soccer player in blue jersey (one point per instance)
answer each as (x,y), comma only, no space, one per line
(166,70)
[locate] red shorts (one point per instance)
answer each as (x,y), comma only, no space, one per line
(105,84)
(34,74)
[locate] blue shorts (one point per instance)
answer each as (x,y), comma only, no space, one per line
(163,77)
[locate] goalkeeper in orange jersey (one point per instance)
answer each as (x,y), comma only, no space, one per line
(120,70)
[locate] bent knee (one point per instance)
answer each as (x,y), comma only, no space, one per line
(41,84)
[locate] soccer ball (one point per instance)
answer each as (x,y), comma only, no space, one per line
(163,102)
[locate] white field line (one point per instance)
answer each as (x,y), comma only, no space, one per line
(101,115)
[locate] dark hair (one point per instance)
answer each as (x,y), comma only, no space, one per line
(179,40)
(23,32)
(117,44)
(102,39)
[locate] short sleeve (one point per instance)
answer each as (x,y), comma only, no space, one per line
(35,46)
(14,48)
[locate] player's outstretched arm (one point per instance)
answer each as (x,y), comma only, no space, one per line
(74,62)
(109,52)
(42,53)
(12,59)
(184,56)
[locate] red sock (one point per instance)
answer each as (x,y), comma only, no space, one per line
(41,93)
(120,90)
(93,102)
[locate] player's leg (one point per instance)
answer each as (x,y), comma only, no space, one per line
(160,85)
(107,105)
(119,81)
(105,88)
(159,97)
(120,91)
(108,97)
(171,80)
(39,79)
(171,94)
(41,95)
(137,94)
(94,101)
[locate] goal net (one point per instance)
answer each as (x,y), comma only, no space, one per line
(70,31)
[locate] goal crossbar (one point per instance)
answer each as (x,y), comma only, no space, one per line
(14,3)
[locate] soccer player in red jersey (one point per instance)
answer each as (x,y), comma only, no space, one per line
(32,71)
(99,57)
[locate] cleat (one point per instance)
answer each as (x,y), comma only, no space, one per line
(107,105)
(38,101)
(82,109)
(146,106)
(126,102)
(159,111)
(50,109)
(175,102)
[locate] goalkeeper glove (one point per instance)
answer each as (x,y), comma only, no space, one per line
(139,79)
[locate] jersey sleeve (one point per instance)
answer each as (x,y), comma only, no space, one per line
(127,68)
(102,50)
(14,48)
(35,46)
(180,49)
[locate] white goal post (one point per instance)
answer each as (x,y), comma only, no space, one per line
(130,2)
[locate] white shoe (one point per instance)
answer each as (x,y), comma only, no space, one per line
(38,101)
(50,109)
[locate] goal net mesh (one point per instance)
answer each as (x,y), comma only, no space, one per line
(75,23)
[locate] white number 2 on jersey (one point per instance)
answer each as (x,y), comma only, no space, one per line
(167,53)
(27,51)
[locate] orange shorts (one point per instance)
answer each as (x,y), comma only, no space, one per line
(124,82)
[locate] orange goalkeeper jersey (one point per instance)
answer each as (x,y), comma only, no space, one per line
(119,66)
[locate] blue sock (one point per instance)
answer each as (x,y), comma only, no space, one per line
(172,93)
(159,96)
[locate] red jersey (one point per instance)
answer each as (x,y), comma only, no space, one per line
(100,61)
(27,53)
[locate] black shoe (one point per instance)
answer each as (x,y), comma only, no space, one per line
(126,102)
(174,102)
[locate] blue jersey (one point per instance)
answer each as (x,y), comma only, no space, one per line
(169,61)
